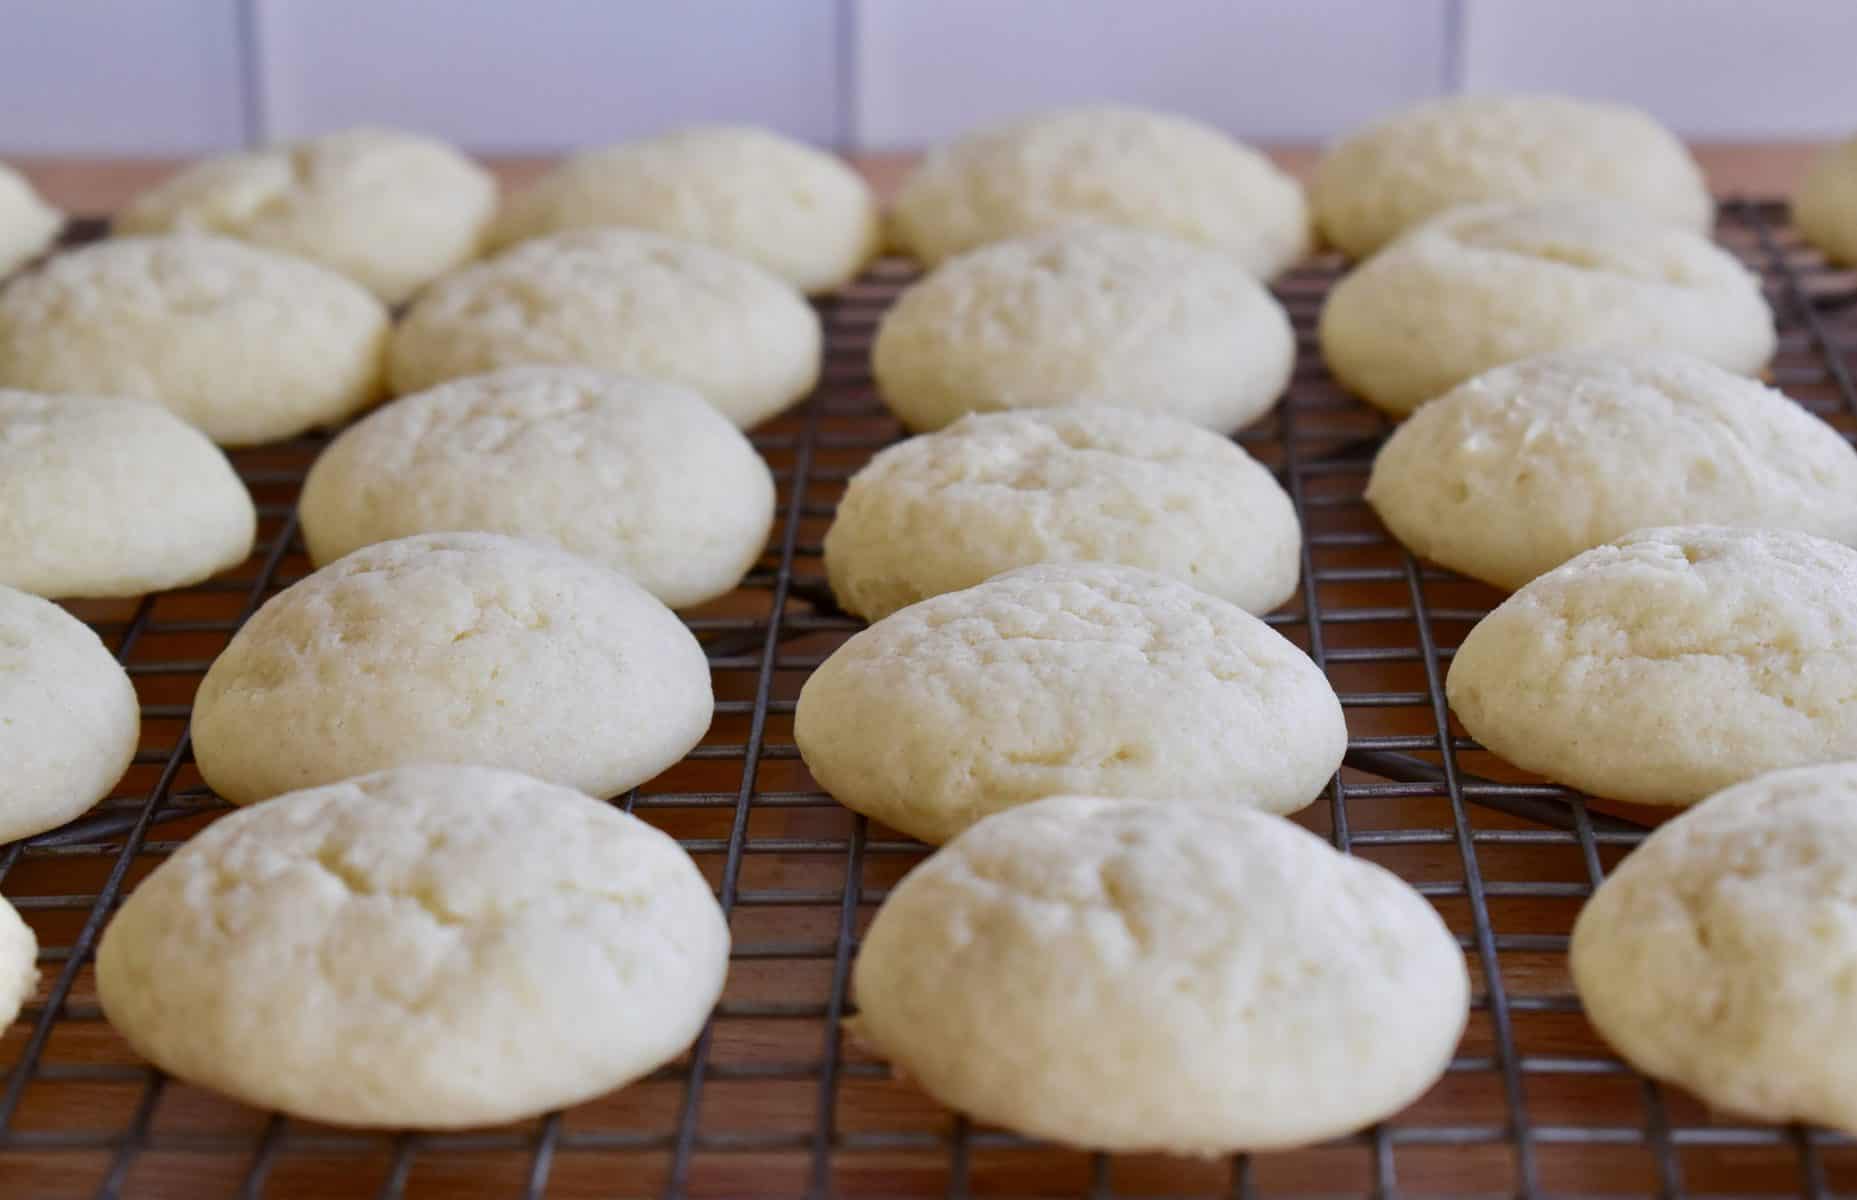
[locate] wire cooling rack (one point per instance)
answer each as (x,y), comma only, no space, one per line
(772,1100)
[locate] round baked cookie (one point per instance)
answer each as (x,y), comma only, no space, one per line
(994,491)
(1096,971)
(19,957)
(1670,663)
(1515,472)
(1102,165)
(1085,316)
(69,719)
(430,947)
(453,648)
(391,210)
(1480,287)
(640,476)
(1716,955)
(27,224)
(108,497)
(1060,678)
(1825,210)
(1405,168)
(619,300)
(249,345)
(799,212)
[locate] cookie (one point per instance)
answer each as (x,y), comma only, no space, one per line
(453,648)
(1515,472)
(1716,956)
(1825,208)
(995,491)
(1049,679)
(248,345)
(798,212)
(431,948)
(1401,170)
(619,300)
(1480,287)
(1102,165)
(1085,316)
(69,720)
(28,225)
(1187,977)
(391,210)
(108,497)
(1670,663)
(643,477)
(19,956)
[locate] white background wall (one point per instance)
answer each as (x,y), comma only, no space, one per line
(162,77)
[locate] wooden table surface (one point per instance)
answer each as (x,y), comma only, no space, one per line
(84,185)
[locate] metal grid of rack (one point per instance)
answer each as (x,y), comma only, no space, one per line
(772,1100)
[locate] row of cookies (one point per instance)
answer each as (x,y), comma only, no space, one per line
(1654,668)
(411,884)
(1443,1018)
(1258,682)
(310,690)
(431,946)
(155,316)
(394,211)
(426,902)
(1679,541)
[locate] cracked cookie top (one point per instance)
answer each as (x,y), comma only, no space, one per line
(1721,953)
(1188,977)
(427,947)
(1670,663)
(459,648)
(1080,677)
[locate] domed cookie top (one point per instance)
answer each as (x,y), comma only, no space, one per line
(799,212)
(430,947)
(1063,678)
(1480,287)
(1670,663)
(1090,970)
(391,210)
(1380,181)
(1511,474)
(1103,165)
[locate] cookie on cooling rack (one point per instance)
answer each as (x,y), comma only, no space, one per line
(1186,977)
(453,648)
(109,497)
(1511,474)
(1066,678)
(1085,316)
(1102,165)
(1402,169)
(388,209)
(1825,210)
(69,719)
(620,300)
(19,955)
(249,345)
(1670,663)
(27,224)
(430,947)
(1719,954)
(797,211)
(994,491)
(1482,286)
(641,476)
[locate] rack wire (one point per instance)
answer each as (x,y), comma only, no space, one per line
(772,1099)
